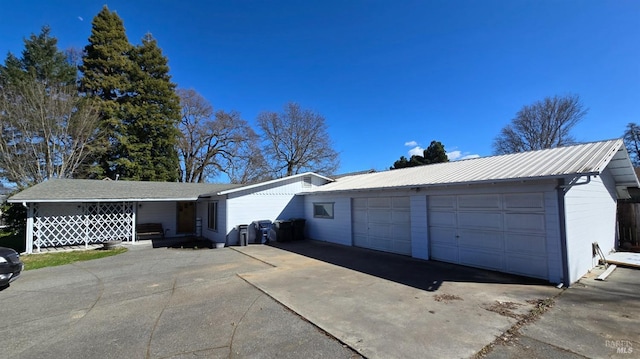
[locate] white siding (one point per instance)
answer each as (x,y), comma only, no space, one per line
(273,201)
(158,212)
(334,230)
(202,212)
(590,217)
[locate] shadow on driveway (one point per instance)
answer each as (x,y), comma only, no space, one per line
(417,273)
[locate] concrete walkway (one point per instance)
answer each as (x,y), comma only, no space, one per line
(386,318)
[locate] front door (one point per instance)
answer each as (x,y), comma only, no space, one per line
(186,221)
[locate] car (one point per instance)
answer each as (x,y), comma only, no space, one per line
(10,266)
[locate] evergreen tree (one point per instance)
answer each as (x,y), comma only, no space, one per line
(435,153)
(41,61)
(107,69)
(139,106)
(151,131)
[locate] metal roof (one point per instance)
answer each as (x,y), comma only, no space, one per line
(81,190)
(570,161)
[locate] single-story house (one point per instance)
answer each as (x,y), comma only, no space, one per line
(533,213)
(62,212)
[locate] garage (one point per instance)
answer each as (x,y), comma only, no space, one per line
(382,223)
(502,232)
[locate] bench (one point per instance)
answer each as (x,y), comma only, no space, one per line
(149,231)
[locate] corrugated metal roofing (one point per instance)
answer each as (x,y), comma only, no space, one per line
(587,158)
(79,190)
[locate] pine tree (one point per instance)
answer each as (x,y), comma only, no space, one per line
(107,69)
(41,61)
(152,130)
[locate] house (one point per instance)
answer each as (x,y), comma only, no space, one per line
(62,212)
(534,213)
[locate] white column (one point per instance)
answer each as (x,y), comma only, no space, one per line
(29,234)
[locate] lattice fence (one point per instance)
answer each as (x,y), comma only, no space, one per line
(97,222)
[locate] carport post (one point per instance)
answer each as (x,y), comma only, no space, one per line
(29,234)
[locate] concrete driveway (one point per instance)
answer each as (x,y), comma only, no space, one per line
(390,306)
(296,300)
(154,303)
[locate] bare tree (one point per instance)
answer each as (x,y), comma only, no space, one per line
(48,131)
(297,140)
(632,142)
(211,142)
(543,124)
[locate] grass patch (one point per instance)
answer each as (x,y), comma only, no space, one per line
(41,260)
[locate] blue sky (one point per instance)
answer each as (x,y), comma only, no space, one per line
(389,76)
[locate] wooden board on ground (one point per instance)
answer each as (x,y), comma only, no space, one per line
(625,259)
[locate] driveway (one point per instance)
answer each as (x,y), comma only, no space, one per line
(390,306)
(154,303)
(307,299)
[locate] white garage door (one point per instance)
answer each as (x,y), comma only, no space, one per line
(503,232)
(382,223)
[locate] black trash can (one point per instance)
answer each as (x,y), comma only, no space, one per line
(243,234)
(298,228)
(284,230)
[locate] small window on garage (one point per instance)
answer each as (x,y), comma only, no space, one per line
(323,210)
(213,216)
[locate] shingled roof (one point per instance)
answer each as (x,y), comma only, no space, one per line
(79,190)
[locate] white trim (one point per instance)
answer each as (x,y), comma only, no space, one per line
(260,184)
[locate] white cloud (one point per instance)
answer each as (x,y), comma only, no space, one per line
(459,155)
(411,143)
(417,151)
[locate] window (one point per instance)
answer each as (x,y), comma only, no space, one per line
(323,210)
(213,216)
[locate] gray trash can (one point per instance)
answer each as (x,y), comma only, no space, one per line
(259,232)
(243,234)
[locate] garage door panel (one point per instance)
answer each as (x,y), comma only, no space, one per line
(528,266)
(491,240)
(382,223)
(504,232)
(401,203)
(482,259)
(400,232)
(444,235)
(359,203)
(442,202)
(480,220)
(526,244)
(440,219)
(479,201)
(379,202)
(525,222)
(379,216)
(403,217)
(444,253)
(524,201)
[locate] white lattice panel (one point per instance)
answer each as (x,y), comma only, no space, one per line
(98,222)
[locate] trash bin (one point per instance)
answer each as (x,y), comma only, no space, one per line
(259,232)
(298,228)
(284,230)
(243,234)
